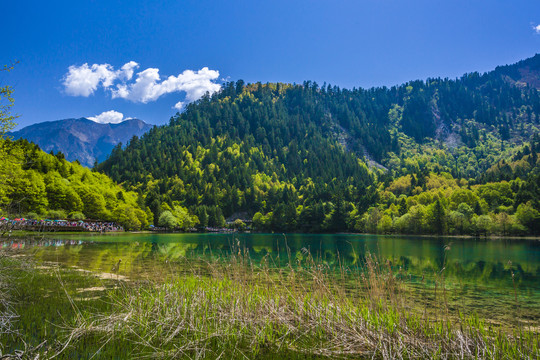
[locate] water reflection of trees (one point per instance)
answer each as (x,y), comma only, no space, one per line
(480,262)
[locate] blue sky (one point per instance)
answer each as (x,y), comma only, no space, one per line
(345,43)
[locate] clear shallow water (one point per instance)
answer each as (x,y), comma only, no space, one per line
(478,273)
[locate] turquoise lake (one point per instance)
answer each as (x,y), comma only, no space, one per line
(477,272)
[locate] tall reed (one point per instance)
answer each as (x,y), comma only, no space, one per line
(231,306)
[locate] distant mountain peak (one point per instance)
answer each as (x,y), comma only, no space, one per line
(81,138)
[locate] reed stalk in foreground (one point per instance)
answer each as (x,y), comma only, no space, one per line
(7,314)
(235,308)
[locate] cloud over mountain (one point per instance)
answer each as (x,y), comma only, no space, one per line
(147,86)
(108,117)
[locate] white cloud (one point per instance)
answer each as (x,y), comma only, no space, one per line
(148,87)
(106,117)
(179,105)
(84,80)
(128,69)
(537,28)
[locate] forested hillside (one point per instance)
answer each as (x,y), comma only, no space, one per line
(320,158)
(34,184)
(504,200)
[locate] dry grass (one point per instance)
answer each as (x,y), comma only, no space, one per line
(232,307)
(7,314)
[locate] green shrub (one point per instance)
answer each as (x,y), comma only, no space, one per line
(77,215)
(56,214)
(32,215)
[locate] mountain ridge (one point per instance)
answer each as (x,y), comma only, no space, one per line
(524,72)
(295,154)
(81,139)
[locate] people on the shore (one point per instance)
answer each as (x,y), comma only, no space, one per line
(83,225)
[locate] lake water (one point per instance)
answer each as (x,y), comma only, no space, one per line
(477,273)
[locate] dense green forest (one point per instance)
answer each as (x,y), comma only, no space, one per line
(40,185)
(436,156)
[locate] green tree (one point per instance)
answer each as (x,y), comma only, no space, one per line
(239,225)
(417,218)
(126,215)
(402,207)
(457,221)
(28,192)
(258,221)
(529,217)
(184,220)
(7,120)
(338,215)
(94,205)
(203,217)
(385,225)
(504,222)
(466,210)
(7,160)
(61,196)
(483,224)
(373,217)
(437,217)
(77,215)
(167,220)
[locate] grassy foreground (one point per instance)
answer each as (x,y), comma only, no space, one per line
(231,307)
(235,308)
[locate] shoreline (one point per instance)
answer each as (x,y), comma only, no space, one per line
(489,237)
